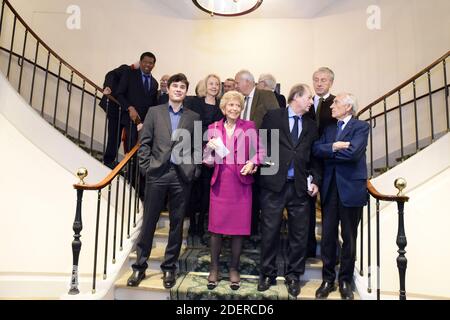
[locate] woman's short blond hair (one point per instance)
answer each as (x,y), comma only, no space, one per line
(231,95)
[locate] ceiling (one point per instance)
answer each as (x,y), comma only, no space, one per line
(269,9)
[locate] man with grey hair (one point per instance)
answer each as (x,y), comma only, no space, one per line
(256,104)
(343,192)
(323,79)
(288,188)
(267,81)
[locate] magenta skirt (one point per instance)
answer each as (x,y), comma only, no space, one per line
(230,207)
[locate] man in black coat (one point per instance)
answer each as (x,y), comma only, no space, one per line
(112,80)
(138,91)
(320,112)
(163,94)
(290,187)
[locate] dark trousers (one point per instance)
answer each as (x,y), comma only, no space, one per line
(312,242)
(334,212)
(131,136)
(256,210)
(113,142)
(155,195)
(272,205)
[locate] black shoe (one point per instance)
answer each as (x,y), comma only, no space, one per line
(264,283)
(169,279)
(325,289)
(345,288)
(135,279)
(293,286)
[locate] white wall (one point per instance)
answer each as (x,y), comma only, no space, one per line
(37,206)
(369,63)
(426,224)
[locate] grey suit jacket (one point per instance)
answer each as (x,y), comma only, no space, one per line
(263,101)
(158,141)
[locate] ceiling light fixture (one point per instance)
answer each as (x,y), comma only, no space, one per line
(227,8)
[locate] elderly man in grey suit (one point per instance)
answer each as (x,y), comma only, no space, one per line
(166,156)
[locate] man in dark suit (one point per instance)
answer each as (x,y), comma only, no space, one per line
(163,95)
(323,80)
(112,80)
(343,192)
(167,158)
(288,188)
(320,112)
(267,81)
(137,93)
(256,104)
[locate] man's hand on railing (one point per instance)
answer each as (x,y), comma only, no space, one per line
(133,113)
(107,90)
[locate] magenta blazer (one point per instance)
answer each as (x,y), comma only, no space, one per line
(247,147)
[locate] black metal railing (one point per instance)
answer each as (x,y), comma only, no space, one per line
(126,175)
(366,239)
(400,127)
(61,94)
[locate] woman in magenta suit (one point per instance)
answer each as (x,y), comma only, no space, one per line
(233,150)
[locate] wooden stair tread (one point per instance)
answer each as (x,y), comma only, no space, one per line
(157,253)
(164,232)
(153,282)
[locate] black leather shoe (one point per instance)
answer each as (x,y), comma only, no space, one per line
(264,283)
(169,279)
(293,286)
(346,291)
(325,289)
(135,279)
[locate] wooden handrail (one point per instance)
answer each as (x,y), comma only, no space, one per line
(408,102)
(404,84)
(110,97)
(377,195)
(109,178)
(61,60)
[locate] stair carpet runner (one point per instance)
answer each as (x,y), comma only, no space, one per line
(193,272)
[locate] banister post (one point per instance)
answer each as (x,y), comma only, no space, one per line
(76,245)
(77,227)
(401,243)
(400,184)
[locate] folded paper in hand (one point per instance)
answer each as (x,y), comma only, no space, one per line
(220,149)
(309,181)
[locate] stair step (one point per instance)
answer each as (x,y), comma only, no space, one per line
(155,259)
(151,288)
(382,169)
(192,286)
(162,234)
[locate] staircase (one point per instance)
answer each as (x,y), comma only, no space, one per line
(193,272)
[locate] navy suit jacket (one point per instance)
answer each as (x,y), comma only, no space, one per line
(349,164)
(131,93)
(112,80)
